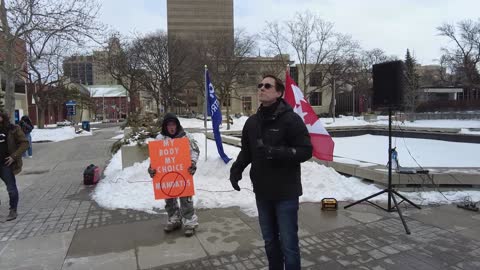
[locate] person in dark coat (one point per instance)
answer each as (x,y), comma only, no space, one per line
(27,127)
(275,141)
(13,144)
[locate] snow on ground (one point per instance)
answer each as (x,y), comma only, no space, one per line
(344,121)
(197,123)
(132,188)
(57,134)
(428,153)
(471,132)
(436,123)
(350,121)
(118,137)
(78,124)
(383,120)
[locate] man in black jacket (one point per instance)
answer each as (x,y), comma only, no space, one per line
(275,141)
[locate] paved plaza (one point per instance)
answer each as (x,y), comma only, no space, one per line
(60,227)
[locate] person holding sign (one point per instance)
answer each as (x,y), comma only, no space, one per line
(172,130)
(275,141)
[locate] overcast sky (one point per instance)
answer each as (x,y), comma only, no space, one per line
(392,25)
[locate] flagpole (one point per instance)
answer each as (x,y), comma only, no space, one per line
(205,110)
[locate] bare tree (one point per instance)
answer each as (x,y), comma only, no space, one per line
(122,60)
(40,23)
(155,63)
(45,75)
(168,62)
(324,56)
(154,56)
(340,66)
(309,37)
(447,70)
(465,54)
(226,63)
(55,95)
(362,80)
(365,62)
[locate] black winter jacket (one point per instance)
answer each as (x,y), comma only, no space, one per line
(275,141)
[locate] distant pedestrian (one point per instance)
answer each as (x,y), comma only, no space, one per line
(27,127)
(12,144)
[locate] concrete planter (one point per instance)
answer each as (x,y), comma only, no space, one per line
(370,117)
(132,154)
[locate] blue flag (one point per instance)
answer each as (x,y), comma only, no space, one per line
(213,110)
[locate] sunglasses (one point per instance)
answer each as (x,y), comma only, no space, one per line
(266,85)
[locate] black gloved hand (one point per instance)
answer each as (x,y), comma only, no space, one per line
(234,178)
(279,152)
(192,169)
(235,185)
(151,172)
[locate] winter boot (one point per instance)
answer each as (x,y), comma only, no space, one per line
(189,231)
(172,226)
(12,214)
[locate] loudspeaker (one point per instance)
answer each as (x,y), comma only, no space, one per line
(388,84)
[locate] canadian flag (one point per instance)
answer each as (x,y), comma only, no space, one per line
(321,141)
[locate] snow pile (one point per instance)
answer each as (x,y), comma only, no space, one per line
(132,188)
(57,134)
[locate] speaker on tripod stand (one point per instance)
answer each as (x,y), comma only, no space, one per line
(388,85)
(388,91)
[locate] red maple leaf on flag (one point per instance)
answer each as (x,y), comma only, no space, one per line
(322,143)
(310,117)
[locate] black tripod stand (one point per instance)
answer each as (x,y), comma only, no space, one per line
(389,190)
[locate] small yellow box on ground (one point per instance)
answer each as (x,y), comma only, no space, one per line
(329,204)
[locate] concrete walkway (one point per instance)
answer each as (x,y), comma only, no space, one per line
(59,227)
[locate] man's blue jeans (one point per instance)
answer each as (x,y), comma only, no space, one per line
(9,178)
(29,150)
(279,224)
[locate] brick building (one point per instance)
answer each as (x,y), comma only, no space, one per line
(21,104)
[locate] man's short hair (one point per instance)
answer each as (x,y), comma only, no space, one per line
(279,86)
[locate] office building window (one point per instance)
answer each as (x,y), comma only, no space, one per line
(315,79)
(315,99)
(247,104)
(226,102)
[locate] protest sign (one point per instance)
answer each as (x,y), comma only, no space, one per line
(171,160)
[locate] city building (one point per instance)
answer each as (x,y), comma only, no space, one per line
(54,108)
(200,20)
(244,98)
(87,69)
(21,104)
(111,102)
